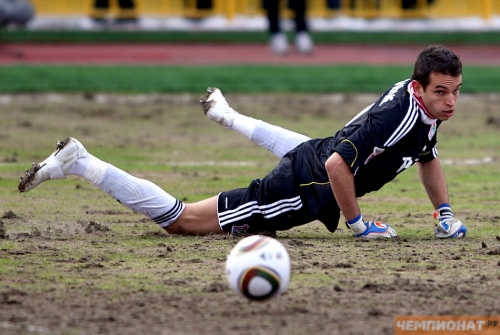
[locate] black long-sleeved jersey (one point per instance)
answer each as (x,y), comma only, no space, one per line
(383,140)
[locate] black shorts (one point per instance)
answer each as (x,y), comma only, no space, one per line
(276,202)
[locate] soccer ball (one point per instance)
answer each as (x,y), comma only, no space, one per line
(258,268)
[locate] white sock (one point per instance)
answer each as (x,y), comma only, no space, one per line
(139,195)
(243,124)
(89,167)
(276,139)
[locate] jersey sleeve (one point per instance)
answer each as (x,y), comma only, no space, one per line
(430,153)
(382,127)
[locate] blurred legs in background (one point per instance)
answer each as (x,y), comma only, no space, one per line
(126,13)
(14,13)
(278,41)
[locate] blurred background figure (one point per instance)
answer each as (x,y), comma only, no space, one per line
(16,12)
(278,40)
(126,12)
(412,4)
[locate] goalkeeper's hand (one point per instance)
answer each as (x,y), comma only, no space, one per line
(371,229)
(448,226)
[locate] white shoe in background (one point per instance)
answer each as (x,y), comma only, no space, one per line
(304,43)
(279,44)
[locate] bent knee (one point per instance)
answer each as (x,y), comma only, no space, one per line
(175,229)
(193,229)
(197,219)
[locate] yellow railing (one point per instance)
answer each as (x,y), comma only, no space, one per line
(316,8)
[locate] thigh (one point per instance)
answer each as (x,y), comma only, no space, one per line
(271,203)
(239,214)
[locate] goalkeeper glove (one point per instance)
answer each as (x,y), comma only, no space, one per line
(448,226)
(371,229)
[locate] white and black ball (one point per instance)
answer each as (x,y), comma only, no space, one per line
(258,268)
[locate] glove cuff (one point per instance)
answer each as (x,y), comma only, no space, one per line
(357,225)
(443,212)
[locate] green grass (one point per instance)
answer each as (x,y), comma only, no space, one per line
(244,78)
(455,37)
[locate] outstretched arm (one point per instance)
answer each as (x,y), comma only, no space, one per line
(342,183)
(432,177)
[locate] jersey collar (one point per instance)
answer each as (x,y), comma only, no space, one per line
(425,116)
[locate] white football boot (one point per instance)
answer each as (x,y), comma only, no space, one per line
(216,108)
(56,166)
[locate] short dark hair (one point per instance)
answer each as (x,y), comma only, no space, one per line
(437,59)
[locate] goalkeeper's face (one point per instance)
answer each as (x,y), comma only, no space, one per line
(441,95)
